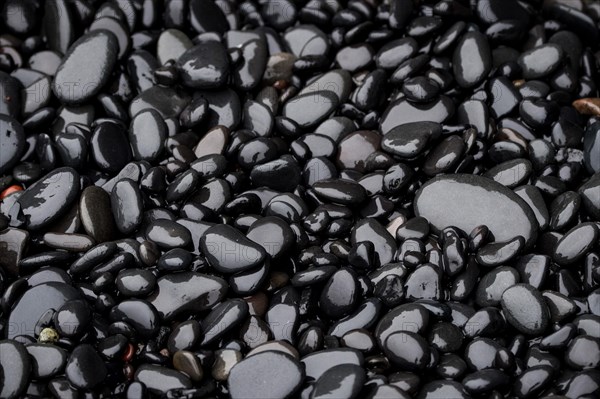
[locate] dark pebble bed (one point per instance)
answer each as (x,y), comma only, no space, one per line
(374,199)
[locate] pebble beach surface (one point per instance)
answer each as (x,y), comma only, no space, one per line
(270,199)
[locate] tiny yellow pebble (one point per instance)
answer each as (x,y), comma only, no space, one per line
(48,335)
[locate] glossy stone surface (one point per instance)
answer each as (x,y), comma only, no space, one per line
(467,201)
(126,205)
(160,380)
(575,243)
(204,66)
(15,366)
(402,112)
(345,380)
(178,293)
(47,360)
(472,59)
(12,142)
(85,369)
(227,250)
(48,199)
(35,302)
(299,199)
(407,350)
(245,377)
(96,214)
(410,139)
(525,309)
(540,61)
(147,134)
(86,67)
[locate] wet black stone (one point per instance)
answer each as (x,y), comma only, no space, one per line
(485,381)
(47,360)
(404,112)
(126,205)
(15,241)
(340,295)
(540,61)
(342,191)
(472,59)
(222,318)
(493,284)
(444,156)
(168,234)
(72,319)
(533,197)
(178,293)
(207,17)
(224,107)
(159,380)
(281,174)
(394,53)
(525,309)
(15,365)
(194,113)
(307,110)
(577,21)
(409,140)
(227,250)
(583,352)
(185,336)
(109,147)
(384,245)
(406,317)
(258,118)
(538,113)
(245,381)
(93,257)
(345,380)
(147,134)
(451,367)
(591,146)
(273,234)
(462,201)
(370,94)
(139,314)
(575,243)
(120,31)
(408,350)
(248,73)
(475,113)
(12,142)
(424,283)
(533,381)
(497,253)
(446,337)
(85,368)
(86,67)
(511,173)
(58,25)
(167,101)
(204,66)
(135,282)
(318,363)
(48,199)
(113,346)
(68,242)
(420,89)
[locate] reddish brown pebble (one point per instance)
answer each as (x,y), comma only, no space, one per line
(587,106)
(12,189)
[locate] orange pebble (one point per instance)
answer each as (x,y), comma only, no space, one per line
(12,189)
